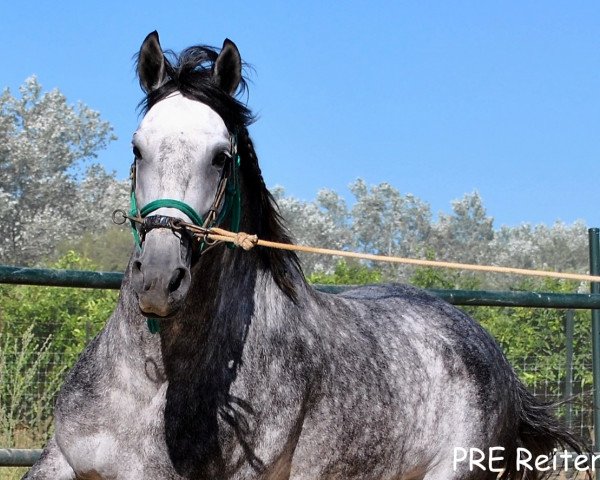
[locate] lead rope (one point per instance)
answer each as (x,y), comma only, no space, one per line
(247,242)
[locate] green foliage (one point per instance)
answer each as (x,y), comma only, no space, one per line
(529,333)
(42,332)
(109,250)
(70,316)
(15,473)
(25,403)
(428,277)
(347,273)
(443,278)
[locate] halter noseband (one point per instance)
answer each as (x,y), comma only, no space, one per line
(227,200)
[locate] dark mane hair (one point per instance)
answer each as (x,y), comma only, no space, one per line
(190,73)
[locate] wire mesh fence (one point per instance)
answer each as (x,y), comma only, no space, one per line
(574,405)
(42,332)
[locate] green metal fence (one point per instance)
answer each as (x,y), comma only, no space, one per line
(112,280)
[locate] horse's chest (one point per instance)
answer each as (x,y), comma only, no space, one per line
(126,442)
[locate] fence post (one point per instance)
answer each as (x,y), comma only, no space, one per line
(594,241)
(569,331)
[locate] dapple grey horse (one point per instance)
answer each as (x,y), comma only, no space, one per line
(253,374)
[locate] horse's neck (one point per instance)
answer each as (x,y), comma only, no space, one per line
(227,298)
(236,327)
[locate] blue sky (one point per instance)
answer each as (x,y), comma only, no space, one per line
(437,98)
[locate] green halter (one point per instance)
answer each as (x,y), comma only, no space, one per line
(231,204)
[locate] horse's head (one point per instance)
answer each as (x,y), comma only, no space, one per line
(182,148)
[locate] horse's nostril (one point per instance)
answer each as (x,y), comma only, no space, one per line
(176,280)
(138,275)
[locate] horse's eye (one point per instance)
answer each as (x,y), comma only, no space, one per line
(136,152)
(220,159)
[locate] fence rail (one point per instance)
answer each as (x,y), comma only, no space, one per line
(112,280)
(18,457)
(479,298)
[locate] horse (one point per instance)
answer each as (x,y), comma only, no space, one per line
(253,374)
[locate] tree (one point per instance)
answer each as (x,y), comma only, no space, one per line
(44,144)
(109,250)
(465,235)
(322,223)
(385,222)
(559,247)
(96,237)
(562,247)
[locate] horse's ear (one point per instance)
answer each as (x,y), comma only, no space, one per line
(151,68)
(227,72)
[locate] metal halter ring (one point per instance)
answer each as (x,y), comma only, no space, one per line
(119,217)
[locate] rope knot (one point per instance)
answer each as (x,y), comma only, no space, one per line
(245,240)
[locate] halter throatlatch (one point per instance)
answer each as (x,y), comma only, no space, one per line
(227,202)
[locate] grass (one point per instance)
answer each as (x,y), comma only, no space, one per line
(12,473)
(29,381)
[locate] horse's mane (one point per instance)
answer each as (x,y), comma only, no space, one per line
(190,73)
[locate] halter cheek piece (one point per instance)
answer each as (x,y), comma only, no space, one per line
(227,201)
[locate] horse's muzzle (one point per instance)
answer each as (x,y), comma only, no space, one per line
(161,274)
